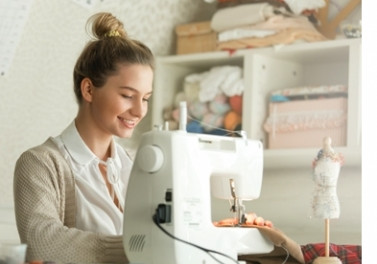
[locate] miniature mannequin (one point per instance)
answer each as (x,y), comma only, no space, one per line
(325,204)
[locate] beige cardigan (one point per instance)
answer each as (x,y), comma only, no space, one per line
(45,207)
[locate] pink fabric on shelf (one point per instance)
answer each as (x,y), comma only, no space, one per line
(304,123)
(280,22)
(306,114)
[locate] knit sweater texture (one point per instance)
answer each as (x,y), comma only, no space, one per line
(45,208)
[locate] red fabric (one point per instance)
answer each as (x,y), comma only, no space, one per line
(348,254)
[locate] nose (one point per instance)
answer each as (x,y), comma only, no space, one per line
(139,108)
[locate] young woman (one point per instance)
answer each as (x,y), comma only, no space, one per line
(69,192)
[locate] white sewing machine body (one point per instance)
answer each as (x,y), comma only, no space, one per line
(177,172)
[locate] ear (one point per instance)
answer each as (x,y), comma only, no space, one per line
(87,89)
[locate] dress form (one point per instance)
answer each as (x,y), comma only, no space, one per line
(325,203)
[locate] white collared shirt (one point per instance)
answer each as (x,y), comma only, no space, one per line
(96,210)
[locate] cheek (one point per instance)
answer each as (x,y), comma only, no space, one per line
(108,107)
(145,109)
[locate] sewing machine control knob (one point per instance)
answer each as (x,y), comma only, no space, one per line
(150,158)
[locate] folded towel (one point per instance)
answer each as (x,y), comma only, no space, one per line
(239,33)
(241,15)
(233,83)
(286,36)
(195,77)
(211,83)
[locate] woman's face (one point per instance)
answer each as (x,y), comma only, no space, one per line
(122,102)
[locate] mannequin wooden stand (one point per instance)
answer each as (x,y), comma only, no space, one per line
(327,259)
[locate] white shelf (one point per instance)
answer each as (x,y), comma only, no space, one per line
(267,69)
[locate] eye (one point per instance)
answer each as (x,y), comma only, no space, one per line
(126,96)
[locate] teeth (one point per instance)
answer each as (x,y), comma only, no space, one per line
(131,122)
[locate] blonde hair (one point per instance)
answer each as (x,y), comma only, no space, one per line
(110,46)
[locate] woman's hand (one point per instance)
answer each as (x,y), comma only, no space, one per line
(251,220)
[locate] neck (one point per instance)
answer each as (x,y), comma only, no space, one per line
(97,141)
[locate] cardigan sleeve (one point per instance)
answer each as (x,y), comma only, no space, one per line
(45,211)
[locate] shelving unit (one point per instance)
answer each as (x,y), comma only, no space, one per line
(268,69)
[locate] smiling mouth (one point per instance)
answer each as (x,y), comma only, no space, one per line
(127,122)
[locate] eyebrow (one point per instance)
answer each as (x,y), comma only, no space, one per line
(133,89)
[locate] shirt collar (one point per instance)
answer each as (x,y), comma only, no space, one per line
(79,151)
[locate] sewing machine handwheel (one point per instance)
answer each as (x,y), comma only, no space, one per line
(150,158)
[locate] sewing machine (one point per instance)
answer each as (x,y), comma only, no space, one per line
(167,216)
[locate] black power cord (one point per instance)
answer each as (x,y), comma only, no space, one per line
(206,250)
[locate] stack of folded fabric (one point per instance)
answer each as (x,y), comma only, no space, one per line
(261,24)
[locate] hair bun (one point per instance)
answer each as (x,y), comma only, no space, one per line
(105,25)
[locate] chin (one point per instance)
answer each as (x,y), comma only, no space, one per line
(126,134)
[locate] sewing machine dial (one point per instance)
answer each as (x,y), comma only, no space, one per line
(150,158)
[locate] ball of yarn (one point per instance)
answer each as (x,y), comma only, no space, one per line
(194,127)
(172,125)
(175,114)
(166,114)
(219,105)
(198,109)
(232,120)
(235,103)
(212,121)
